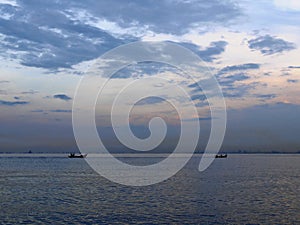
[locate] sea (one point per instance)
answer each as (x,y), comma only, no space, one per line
(241,189)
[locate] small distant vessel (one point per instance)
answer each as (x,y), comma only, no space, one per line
(221,156)
(73,155)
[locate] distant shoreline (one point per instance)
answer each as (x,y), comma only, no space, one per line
(126,155)
(164,153)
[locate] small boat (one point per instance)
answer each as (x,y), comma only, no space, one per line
(221,156)
(73,155)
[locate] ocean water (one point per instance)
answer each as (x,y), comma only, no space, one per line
(242,189)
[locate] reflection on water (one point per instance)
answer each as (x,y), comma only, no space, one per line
(240,189)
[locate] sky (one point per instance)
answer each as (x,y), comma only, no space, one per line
(251,47)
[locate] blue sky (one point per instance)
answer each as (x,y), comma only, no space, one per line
(252,47)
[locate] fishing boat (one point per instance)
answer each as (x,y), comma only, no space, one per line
(73,155)
(221,156)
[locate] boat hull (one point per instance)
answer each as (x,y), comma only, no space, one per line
(221,156)
(77,156)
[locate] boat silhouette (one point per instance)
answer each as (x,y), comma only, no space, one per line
(221,156)
(73,155)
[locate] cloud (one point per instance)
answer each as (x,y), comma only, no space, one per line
(36,47)
(200,97)
(246,66)
(208,54)
(199,118)
(62,97)
(238,90)
(265,96)
(37,110)
(48,38)
(238,77)
(13,103)
(54,110)
(231,87)
(150,101)
(292,81)
(30,92)
(61,34)
(195,87)
(142,69)
(61,111)
(197,94)
(269,45)
(165,16)
(4,81)
(228,81)
(292,5)
(9,2)
(294,67)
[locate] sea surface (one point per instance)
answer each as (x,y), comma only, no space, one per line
(242,189)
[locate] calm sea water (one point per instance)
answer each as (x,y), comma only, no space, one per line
(242,189)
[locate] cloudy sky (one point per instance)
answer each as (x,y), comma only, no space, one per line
(252,47)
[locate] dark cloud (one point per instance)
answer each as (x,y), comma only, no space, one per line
(269,45)
(200,97)
(13,103)
(199,118)
(268,73)
(238,90)
(202,104)
(215,48)
(266,96)
(292,81)
(294,67)
(231,87)
(62,97)
(53,35)
(194,85)
(45,37)
(237,77)
(165,16)
(208,54)
(229,81)
(54,110)
(247,66)
(61,111)
(197,94)
(4,81)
